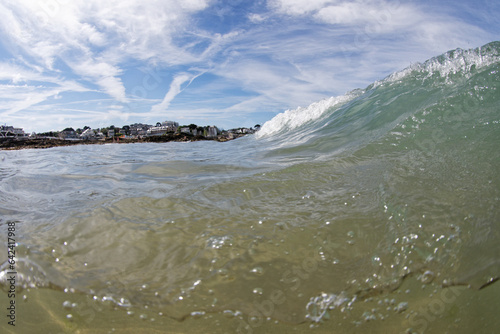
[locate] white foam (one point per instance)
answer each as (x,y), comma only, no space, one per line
(452,62)
(318,306)
(291,119)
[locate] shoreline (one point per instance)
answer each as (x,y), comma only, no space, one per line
(10,144)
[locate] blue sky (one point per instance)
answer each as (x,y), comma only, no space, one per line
(227,63)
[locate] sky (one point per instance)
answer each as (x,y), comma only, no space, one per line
(229,63)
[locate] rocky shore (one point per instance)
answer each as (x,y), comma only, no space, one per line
(30,143)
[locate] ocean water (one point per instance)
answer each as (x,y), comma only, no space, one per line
(373,212)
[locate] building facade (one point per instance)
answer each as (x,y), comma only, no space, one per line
(10,131)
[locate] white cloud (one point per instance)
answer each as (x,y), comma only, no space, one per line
(298,7)
(256,18)
(371,19)
(174,90)
(94,38)
(114,87)
(22,93)
(104,74)
(372,16)
(382,16)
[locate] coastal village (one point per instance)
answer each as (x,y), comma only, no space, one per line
(14,138)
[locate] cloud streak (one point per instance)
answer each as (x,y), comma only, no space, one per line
(175,88)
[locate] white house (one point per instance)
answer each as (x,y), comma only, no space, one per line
(88,134)
(212,132)
(165,127)
(170,125)
(10,131)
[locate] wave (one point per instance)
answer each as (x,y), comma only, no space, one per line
(292,119)
(443,69)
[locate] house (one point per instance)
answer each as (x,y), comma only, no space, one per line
(207,131)
(156,131)
(10,131)
(211,132)
(241,131)
(68,134)
(88,134)
(170,125)
(163,128)
(139,129)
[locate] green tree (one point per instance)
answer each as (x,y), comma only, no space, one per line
(126,130)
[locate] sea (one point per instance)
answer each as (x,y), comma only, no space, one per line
(377,211)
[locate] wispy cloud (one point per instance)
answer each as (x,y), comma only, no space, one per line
(24,88)
(103,74)
(175,88)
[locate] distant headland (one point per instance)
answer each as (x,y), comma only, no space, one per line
(12,138)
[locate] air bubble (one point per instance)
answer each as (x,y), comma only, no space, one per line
(228,313)
(223,272)
(427,277)
(197,314)
(403,306)
(257,270)
(67,304)
(367,316)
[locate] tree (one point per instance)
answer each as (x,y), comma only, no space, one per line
(69,129)
(126,130)
(193,127)
(158,124)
